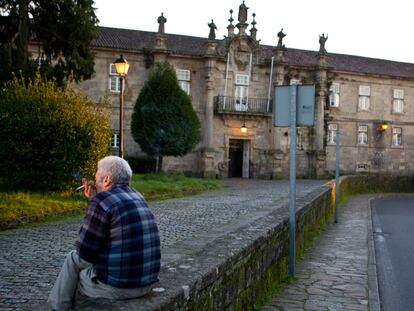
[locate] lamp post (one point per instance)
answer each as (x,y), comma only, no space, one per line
(121,67)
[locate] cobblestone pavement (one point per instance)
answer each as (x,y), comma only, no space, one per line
(31,258)
(334,274)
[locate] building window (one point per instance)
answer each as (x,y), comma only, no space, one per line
(364,95)
(295,82)
(114,81)
(332,129)
(183,77)
(334,95)
(397,136)
(115,140)
(299,139)
(242,79)
(398,101)
(241,87)
(363,135)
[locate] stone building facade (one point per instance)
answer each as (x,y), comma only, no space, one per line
(232,81)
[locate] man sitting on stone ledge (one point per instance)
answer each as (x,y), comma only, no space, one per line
(118,249)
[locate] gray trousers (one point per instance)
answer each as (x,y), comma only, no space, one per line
(79,275)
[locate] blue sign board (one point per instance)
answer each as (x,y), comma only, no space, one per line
(305,105)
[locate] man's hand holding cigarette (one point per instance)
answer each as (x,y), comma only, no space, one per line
(89,188)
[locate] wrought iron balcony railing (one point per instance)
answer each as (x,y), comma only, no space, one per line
(244,105)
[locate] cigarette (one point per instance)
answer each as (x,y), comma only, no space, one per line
(79,188)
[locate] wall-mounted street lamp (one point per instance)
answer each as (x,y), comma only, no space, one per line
(121,67)
(383,126)
(243,128)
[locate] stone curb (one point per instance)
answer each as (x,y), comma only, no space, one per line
(373,291)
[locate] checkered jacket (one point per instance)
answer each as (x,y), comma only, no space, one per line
(120,237)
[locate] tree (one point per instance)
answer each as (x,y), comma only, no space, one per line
(49,136)
(164,122)
(63,31)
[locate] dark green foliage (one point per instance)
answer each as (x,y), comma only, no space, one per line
(63,31)
(141,165)
(358,184)
(164,122)
(49,136)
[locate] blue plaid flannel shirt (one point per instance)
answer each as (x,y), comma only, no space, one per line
(120,237)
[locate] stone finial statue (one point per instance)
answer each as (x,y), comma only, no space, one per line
(213,27)
(230,27)
(322,40)
(253,31)
(280,35)
(231,17)
(254,20)
(242,13)
(161,21)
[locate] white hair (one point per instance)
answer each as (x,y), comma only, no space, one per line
(117,169)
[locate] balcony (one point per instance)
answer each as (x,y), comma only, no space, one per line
(244,105)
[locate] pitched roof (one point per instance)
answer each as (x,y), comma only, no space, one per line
(134,40)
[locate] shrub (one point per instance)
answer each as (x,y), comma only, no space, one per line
(141,165)
(49,136)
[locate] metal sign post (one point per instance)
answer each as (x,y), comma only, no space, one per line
(338,137)
(292,180)
(294,105)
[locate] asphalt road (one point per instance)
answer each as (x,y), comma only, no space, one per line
(393,225)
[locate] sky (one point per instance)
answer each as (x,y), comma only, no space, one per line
(370,28)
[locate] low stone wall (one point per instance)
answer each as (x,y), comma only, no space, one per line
(240,269)
(237,270)
(358,184)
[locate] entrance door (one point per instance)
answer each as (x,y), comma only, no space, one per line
(236,158)
(246,159)
(239,156)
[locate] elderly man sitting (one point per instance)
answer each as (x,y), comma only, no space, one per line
(118,249)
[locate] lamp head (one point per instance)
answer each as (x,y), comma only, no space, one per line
(383,126)
(121,66)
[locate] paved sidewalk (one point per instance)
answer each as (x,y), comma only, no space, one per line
(30,258)
(334,274)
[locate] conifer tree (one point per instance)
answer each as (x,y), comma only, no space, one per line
(164,122)
(63,31)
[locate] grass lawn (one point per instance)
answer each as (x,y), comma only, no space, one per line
(18,208)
